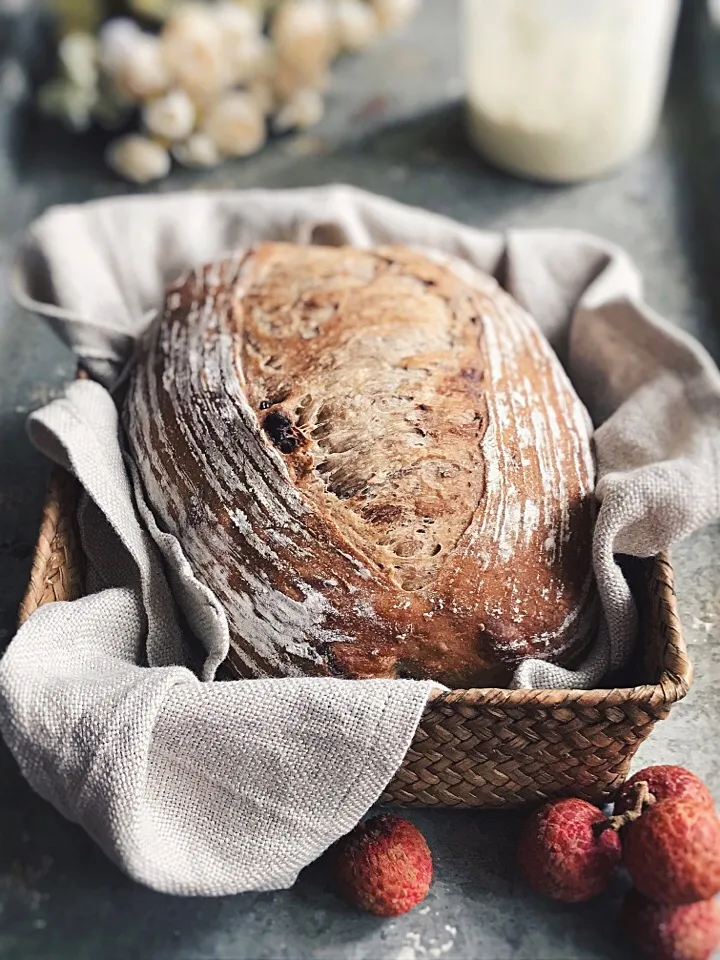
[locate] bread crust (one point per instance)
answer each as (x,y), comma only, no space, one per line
(374,460)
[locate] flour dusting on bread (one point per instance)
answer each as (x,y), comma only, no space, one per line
(375,461)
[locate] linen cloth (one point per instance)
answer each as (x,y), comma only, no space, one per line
(197,786)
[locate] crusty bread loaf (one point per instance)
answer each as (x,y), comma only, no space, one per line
(374,460)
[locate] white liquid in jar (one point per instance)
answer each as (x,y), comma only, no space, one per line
(565,90)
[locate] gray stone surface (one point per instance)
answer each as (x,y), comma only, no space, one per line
(394,126)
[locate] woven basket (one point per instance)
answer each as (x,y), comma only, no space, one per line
(477,748)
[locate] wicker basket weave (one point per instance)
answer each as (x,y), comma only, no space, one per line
(477,748)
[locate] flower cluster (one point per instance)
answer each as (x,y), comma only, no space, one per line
(214,78)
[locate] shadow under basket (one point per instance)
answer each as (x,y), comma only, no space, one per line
(478,748)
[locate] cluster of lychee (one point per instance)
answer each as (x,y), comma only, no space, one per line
(665,832)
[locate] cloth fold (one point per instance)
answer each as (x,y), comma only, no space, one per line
(191,787)
(197,786)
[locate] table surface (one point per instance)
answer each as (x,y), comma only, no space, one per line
(394,125)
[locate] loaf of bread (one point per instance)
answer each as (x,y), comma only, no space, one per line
(375,461)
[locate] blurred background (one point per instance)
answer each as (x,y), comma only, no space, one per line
(154,84)
(556,90)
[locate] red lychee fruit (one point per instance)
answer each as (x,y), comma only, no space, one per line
(563,855)
(384,866)
(665,783)
(672,852)
(664,932)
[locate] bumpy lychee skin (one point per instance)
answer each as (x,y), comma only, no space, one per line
(561,855)
(672,852)
(662,932)
(384,866)
(665,783)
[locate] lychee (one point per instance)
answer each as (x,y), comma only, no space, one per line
(663,932)
(664,783)
(384,866)
(562,853)
(672,852)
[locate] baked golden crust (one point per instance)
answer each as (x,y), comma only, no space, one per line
(374,460)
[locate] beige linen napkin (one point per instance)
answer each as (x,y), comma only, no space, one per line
(216,787)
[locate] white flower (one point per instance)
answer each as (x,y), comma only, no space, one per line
(171,117)
(199,150)
(238,23)
(287,81)
(193,51)
(115,38)
(138,158)
(357,24)
(139,71)
(393,14)
(236,124)
(249,58)
(303,32)
(304,109)
(78,53)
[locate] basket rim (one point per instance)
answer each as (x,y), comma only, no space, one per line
(62,489)
(673,685)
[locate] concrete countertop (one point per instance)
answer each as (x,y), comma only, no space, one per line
(394,125)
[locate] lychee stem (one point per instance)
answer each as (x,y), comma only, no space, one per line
(642,800)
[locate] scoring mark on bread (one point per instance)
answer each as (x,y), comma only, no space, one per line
(380,393)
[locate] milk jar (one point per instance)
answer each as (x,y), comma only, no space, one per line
(565,90)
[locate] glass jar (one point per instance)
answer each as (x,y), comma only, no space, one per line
(564,90)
